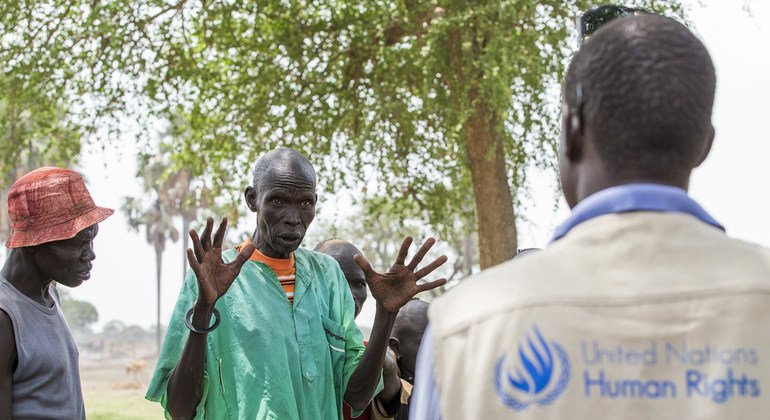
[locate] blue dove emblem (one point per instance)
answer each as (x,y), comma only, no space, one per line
(538,373)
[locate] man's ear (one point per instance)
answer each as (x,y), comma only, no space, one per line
(574,133)
(706,147)
(251,198)
(394,345)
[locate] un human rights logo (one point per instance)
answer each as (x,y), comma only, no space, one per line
(538,373)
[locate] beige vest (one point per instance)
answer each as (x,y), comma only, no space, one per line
(630,316)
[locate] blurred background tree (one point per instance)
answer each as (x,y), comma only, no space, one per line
(379,237)
(153,212)
(34,132)
(80,314)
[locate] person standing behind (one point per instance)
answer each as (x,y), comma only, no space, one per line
(641,307)
(53,224)
(344,252)
(404,343)
(393,401)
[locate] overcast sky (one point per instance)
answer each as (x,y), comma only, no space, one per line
(731,184)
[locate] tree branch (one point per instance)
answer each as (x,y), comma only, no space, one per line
(178,6)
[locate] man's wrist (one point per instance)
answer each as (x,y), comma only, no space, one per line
(203,307)
(381,308)
(193,324)
(201,315)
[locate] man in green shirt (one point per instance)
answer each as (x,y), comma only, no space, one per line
(283,344)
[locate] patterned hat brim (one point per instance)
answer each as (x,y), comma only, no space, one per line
(60,231)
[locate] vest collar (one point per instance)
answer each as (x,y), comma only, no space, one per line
(634,197)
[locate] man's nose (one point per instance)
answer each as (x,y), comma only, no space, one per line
(89,254)
(292,218)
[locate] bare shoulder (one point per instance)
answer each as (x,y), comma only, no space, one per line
(6,325)
(7,364)
(7,347)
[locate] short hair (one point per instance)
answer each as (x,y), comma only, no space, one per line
(337,248)
(647,86)
(281,158)
(413,315)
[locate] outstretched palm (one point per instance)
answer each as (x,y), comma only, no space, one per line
(214,275)
(396,287)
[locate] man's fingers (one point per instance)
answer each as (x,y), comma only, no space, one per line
(426,246)
(403,251)
(206,236)
(430,285)
(197,247)
(219,236)
(244,255)
(438,262)
(364,264)
(194,264)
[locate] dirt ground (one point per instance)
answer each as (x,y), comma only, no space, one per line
(114,388)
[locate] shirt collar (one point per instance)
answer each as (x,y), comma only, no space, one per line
(276,264)
(634,197)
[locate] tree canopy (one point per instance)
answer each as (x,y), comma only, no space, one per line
(439,104)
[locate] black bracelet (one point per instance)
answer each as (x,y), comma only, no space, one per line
(188,321)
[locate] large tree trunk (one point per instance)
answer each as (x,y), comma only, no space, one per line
(494,203)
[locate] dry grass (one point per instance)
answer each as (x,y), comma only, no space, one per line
(120,404)
(113,393)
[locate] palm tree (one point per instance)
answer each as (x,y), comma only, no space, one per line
(154,212)
(183,202)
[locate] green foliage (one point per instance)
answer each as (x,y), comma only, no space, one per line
(374,92)
(79,313)
(34,131)
(378,231)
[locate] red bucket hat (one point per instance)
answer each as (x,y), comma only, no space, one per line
(50,204)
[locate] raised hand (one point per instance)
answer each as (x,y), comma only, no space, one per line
(214,275)
(395,288)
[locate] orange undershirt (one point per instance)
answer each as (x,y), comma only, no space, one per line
(283,269)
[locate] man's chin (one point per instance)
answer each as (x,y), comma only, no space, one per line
(286,246)
(71,283)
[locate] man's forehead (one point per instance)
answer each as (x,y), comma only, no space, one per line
(351,270)
(288,177)
(285,191)
(88,232)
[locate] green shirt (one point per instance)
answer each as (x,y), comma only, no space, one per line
(269,359)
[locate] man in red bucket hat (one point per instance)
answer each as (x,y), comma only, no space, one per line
(53,224)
